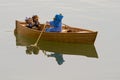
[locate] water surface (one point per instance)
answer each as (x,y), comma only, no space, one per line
(99,15)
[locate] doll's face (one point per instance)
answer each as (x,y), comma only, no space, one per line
(35,19)
(29,20)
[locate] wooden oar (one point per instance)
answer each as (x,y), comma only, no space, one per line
(66,25)
(39,36)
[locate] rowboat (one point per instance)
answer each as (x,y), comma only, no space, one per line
(68,34)
(87,50)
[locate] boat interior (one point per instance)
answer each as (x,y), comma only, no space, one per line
(65,29)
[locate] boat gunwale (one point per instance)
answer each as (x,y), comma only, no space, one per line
(79,32)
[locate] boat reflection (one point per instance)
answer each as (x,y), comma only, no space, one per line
(35,50)
(57,49)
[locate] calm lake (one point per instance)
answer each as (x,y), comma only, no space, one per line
(61,61)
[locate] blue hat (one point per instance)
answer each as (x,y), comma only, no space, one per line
(58,17)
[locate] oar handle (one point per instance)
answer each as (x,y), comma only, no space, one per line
(65,24)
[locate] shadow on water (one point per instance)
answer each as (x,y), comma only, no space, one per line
(56,49)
